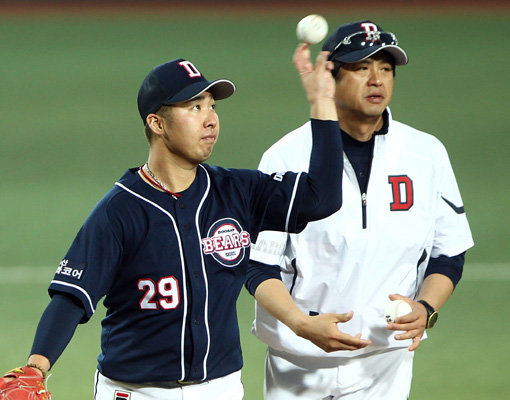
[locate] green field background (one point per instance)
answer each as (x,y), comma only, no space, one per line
(69,128)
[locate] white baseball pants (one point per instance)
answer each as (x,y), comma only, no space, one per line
(228,387)
(381,375)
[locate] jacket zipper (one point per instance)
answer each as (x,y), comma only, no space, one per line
(363,194)
(364,210)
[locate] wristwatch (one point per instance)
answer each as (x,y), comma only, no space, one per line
(431,314)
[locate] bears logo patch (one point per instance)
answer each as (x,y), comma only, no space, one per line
(226,242)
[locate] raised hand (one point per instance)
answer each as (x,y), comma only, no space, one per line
(317,81)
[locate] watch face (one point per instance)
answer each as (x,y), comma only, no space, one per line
(432,320)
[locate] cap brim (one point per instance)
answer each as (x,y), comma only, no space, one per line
(220,89)
(398,54)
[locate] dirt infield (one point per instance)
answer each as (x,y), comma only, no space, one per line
(257,7)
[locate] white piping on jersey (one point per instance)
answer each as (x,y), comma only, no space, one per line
(78,288)
(294,190)
(206,305)
(184,283)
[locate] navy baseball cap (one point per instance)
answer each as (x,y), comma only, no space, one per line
(357,41)
(176,81)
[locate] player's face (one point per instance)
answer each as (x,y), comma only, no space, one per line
(192,128)
(364,88)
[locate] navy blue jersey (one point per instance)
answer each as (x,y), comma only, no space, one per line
(171,269)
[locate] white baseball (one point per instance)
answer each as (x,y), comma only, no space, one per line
(312,29)
(395,309)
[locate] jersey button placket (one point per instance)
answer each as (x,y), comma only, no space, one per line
(193,250)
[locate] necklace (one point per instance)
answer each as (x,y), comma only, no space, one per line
(156,182)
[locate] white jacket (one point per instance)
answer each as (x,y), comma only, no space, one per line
(339,265)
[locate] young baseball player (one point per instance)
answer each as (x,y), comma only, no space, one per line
(401,234)
(168,246)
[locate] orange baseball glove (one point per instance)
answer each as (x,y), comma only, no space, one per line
(26,385)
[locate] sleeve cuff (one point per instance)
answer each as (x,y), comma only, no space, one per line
(258,273)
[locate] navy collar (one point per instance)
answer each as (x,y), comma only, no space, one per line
(135,182)
(386,124)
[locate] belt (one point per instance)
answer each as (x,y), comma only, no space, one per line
(171,384)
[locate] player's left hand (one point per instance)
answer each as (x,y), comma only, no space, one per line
(413,324)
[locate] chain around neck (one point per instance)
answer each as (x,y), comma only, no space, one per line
(157,182)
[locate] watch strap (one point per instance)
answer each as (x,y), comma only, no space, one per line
(431,313)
